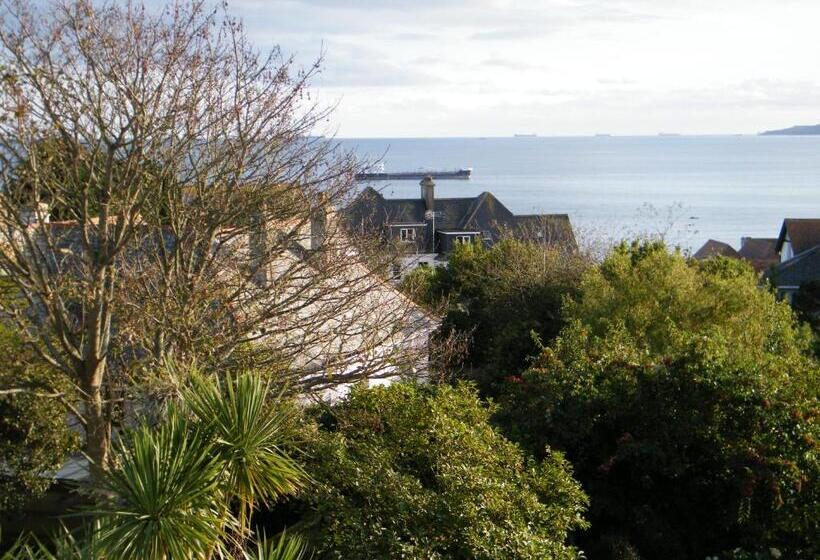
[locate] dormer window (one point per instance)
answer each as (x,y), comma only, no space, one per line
(407,234)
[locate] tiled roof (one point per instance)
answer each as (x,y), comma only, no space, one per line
(760,252)
(714,248)
(803,233)
(758,248)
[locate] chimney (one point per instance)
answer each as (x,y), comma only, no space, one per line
(428,189)
(743,241)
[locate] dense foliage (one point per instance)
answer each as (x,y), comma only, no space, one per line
(417,472)
(685,397)
(807,305)
(35,439)
(507,297)
(186,487)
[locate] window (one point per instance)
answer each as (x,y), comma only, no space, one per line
(407,234)
(463,239)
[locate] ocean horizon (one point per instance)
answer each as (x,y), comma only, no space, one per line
(690,187)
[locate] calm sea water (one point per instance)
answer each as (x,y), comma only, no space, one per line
(692,187)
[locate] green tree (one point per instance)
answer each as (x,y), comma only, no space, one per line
(686,399)
(501,296)
(411,471)
(806,304)
(663,301)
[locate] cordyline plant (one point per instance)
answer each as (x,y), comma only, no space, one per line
(162,196)
(186,487)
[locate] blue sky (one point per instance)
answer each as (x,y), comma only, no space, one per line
(552,67)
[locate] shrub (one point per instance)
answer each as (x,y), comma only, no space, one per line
(412,471)
(35,439)
(501,296)
(686,399)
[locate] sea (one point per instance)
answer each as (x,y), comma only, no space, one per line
(687,189)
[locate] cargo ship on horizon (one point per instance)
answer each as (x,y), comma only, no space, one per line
(414,175)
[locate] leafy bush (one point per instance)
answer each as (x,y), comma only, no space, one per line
(411,471)
(501,296)
(35,439)
(663,301)
(807,306)
(685,397)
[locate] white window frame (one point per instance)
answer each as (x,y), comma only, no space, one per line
(407,235)
(463,239)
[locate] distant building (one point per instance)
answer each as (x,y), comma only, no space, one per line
(798,246)
(788,277)
(796,236)
(429,228)
(714,248)
(348,324)
(760,252)
(757,251)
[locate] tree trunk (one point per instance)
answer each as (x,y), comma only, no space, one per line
(98,425)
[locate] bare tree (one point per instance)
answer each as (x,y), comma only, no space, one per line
(162,196)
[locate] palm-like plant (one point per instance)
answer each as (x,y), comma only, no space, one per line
(285,548)
(63,546)
(247,432)
(163,490)
(173,487)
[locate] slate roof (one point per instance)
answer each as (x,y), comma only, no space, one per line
(453,213)
(714,248)
(483,213)
(797,271)
(550,228)
(803,233)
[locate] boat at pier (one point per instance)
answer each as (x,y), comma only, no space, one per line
(414,175)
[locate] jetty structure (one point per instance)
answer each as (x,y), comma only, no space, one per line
(465,173)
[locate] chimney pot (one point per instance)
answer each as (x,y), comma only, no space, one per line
(428,190)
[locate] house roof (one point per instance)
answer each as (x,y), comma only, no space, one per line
(760,252)
(803,234)
(551,228)
(801,269)
(759,248)
(714,248)
(484,213)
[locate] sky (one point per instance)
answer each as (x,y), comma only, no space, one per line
(419,68)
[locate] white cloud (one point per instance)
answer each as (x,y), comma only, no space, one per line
(494,67)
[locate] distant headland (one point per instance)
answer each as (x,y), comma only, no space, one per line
(794,131)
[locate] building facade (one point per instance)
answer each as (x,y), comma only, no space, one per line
(427,229)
